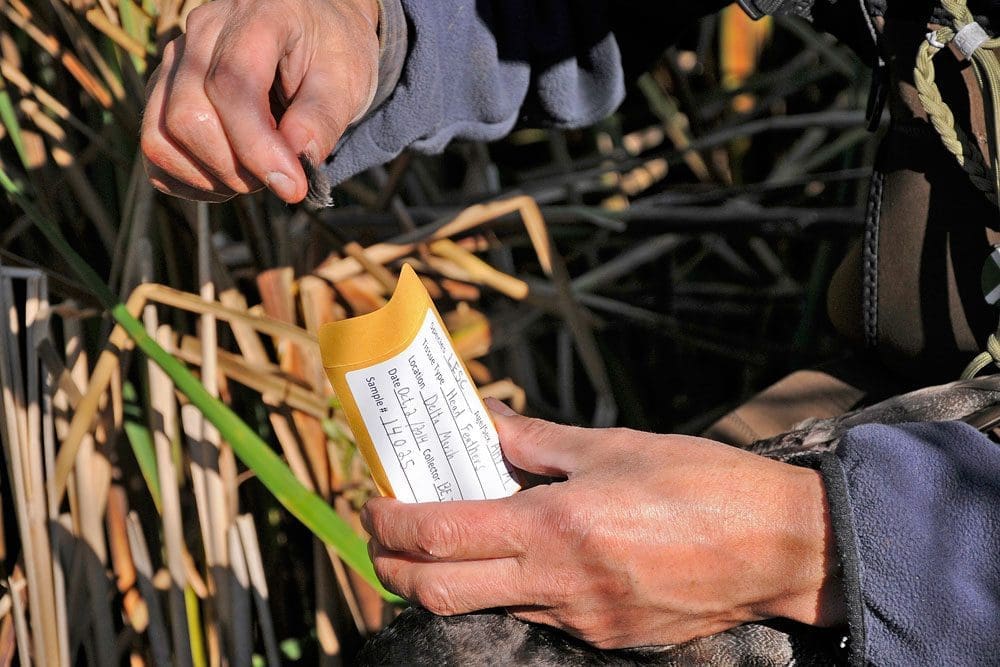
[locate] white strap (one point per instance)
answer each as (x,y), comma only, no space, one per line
(970,38)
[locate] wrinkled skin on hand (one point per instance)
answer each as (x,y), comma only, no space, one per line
(209,131)
(648,540)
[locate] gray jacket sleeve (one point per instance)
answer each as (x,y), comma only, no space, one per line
(916,512)
(473,70)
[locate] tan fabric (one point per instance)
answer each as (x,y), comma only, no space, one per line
(800,396)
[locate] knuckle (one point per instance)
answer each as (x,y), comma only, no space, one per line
(436,596)
(186,118)
(590,539)
(198,17)
(611,586)
(223,78)
(229,68)
(436,536)
(178,120)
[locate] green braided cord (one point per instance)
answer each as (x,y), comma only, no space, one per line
(991,356)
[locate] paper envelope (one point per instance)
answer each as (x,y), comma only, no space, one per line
(415,412)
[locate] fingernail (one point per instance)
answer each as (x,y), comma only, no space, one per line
(499,407)
(365,519)
(280,184)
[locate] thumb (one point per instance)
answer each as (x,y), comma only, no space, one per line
(539,446)
(331,96)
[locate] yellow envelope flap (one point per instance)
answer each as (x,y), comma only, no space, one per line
(381,333)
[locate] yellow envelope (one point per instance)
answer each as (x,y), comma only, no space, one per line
(415,412)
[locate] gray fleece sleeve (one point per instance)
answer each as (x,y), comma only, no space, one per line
(916,511)
(472,70)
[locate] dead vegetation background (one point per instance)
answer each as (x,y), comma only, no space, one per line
(649,272)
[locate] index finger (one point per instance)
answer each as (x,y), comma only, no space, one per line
(452,531)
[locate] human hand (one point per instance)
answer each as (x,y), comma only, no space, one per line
(650,540)
(208,132)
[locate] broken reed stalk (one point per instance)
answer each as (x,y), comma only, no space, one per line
(266,379)
(22,439)
(207,459)
(91,469)
(477,271)
(38,335)
(163,421)
(508,392)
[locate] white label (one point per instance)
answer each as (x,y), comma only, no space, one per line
(430,429)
